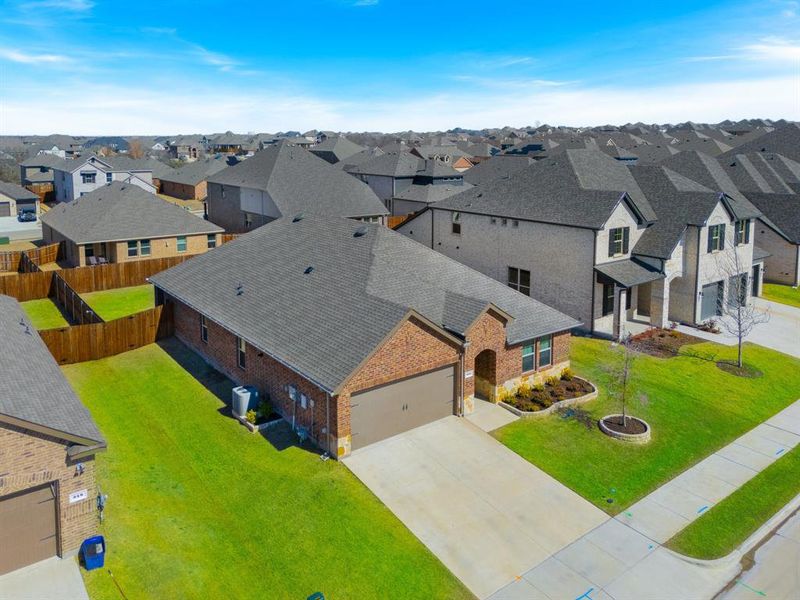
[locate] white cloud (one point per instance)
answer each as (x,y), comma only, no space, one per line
(773,49)
(365,3)
(67,5)
(31,59)
(132,110)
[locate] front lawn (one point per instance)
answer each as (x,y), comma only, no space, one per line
(784,294)
(198,507)
(121,302)
(728,524)
(693,407)
(44,314)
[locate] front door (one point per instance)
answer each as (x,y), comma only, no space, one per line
(756,278)
(711,304)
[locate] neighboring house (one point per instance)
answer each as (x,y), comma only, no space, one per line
(356,333)
(568,232)
(48,495)
(190,182)
(187,148)
(121,222)
(359,158)
(230,143)
(74,178)
(451,155)
(283,180)
(777,232)
(14,199)
(36,174)
(784,140)
(495,168)
(336,149)
(435,181)
(388,174)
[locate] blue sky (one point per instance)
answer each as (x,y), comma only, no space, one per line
(102,67)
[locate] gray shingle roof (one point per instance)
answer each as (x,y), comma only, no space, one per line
(783,140)
(579,188)
(121,211)
(761,172)
(496,167)
(297,181)
(195,172)
(32,387)
(759,254)
(336,149)
(391,164)
(430,193)
(629,272)
(781,211)
(326,322)
(16,192)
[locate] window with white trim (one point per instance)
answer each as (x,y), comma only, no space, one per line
(203,329)
(241,353)
(520,280)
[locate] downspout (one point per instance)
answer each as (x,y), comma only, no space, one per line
(432,224)
(328,420)
(697,275)
(463,383)
(594,283)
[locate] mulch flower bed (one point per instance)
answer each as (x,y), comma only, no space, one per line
(536,399)
(662,343)
(632,426)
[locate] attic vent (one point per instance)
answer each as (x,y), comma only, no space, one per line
(298,217)
(361,231)
(308,270)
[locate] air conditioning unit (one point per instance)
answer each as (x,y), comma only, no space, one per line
(244,398)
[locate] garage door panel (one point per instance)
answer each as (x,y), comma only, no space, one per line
(396,407)
(5,209)
(27,528)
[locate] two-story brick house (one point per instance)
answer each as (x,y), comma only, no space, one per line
(121,222)
(355,332)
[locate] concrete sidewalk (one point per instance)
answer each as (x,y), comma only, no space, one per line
(623,559)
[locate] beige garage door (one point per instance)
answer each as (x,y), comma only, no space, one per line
(5,209)
(27,528)
(396,407)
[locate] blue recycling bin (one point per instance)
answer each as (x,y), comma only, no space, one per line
(93,552)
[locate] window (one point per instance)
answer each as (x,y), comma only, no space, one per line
(493,221)
(618,241)
(133,249)
(742,234)
(88,177)
(515,223)
(608,298)
(248,220)
(455,227)
(303,401)
(212,240)
(241,353)
(546,351)
(109,177)
(181,243)
(293,392)
(520,280)
(203,329)
(144,247)
(528,358)
(88,250)
(716,238)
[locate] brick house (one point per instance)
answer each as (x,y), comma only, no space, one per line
(14,199)
(47,446)
(356,333)
(121,222)
(190,181)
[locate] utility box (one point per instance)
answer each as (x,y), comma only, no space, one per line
(244,398)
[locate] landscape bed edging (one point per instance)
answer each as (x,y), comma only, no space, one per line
(526,414)
(628,438)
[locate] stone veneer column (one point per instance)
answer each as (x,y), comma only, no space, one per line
(659,303)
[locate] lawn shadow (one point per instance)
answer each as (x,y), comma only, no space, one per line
(191,362)
(282,437)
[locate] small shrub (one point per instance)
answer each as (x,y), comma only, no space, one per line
(264,408)
(567,374)
(251,417)
(674,333)
(546,402)
(502,395)
(538,387)
(552,381)
(524,391)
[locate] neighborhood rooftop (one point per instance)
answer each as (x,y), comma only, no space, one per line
(344,287)
(121,211)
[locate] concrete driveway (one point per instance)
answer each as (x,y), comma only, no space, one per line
(780,333)
(485,512)
(51,579)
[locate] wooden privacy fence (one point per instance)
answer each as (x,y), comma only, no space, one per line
(27,286)
(397,220)
(117,275)
(26,265)
(228,237)
(11,260)
(75,306)
(97,340)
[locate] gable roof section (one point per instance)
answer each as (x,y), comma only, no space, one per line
(335,149)
(16,192)
(390,164)
(33,389)
(323,323)
(781,212)
(297,181)
(120,211)
(578,188)
(195,172)
(495,168)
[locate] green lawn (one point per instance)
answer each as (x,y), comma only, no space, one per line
(113,304)
(784,294)
(694,409)
(728,524)
(198,507)
(44,314)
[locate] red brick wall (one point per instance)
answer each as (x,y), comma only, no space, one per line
(267,374)
(489,332)
(414,348)
(29,459)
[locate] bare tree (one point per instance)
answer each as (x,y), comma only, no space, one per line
(622,385)
(135,149)
(739,314)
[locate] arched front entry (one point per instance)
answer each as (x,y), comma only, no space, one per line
(486,375)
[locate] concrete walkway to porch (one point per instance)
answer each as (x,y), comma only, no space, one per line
(490,416)
(623,559)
